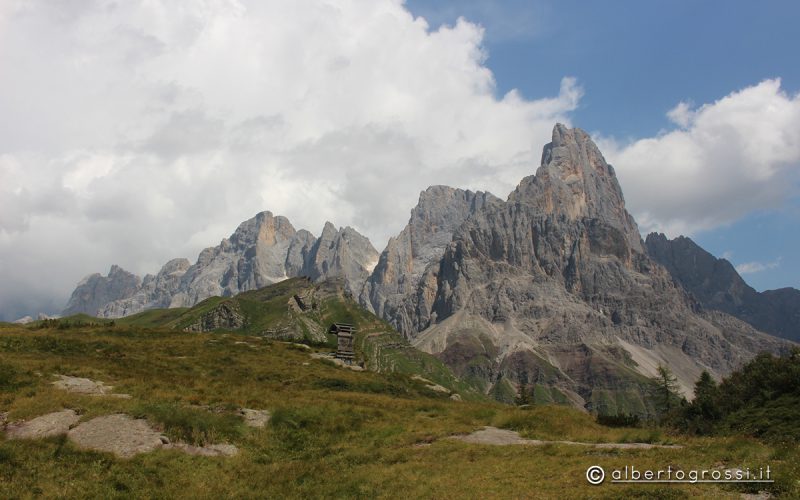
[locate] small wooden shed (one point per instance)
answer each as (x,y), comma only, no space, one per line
(344,341)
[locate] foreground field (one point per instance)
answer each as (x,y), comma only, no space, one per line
(333,432)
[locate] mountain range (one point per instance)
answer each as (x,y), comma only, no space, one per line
(552,288)
(263,250)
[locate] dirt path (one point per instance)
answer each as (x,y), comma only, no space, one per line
(503,437)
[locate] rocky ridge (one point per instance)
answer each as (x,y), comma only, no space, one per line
(263,250)
(402,285)
(716,285)
(553,289)
(95,291)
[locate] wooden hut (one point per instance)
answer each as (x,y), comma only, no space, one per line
(344,341)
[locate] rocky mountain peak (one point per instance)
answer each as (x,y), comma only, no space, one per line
(264,229)
(329,232)
(175,266)
(94,291)
(576,182)
(341,253)
(410,260)
(263,250)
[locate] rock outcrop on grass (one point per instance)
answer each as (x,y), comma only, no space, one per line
(80,385)
(125,437)
(51,424)
(118,434)
(255,418)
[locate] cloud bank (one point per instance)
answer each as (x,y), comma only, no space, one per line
(722,161)
(137,131)
(134,132)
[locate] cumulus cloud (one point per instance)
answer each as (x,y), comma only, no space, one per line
(757,267)
(137,131)
(722,161)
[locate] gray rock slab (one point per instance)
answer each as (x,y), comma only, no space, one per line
(51,424)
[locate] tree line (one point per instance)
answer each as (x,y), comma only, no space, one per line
(761,399)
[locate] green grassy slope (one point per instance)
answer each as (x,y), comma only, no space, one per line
(335,433)
(272,313)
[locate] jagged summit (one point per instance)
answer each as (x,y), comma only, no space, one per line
(551,288)
(575,181)
(263,250)
(263,227)
(411,259)
(95,290)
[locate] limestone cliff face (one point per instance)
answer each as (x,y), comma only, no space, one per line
(263,250)
(341,253)
(554,288)
(154,292)
(575,182)
(403,284)
(716,285)
(252,257)
(94,291)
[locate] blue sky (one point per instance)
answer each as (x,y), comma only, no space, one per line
(635,61)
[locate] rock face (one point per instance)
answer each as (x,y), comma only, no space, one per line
(95,291)
(155,291)
(553,290)
(402,286)
(227,315)
(716,285)
(343,253)
(263,250)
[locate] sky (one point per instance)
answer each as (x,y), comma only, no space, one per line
(134,132)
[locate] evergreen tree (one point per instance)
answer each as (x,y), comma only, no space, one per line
(706,394)
(704,411)
(665,391)
(525,396)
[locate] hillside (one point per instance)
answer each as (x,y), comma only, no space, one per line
(299,310)
(331,431)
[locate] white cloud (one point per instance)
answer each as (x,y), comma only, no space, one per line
(137,131)
(757,267)
(726,159)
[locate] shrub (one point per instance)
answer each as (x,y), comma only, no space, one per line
(8,376)
(619,420)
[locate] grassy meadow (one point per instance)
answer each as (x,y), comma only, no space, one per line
(333,433)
